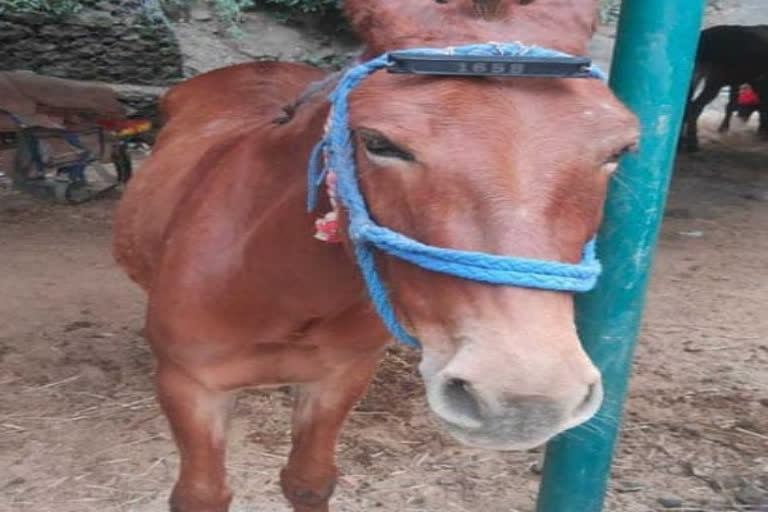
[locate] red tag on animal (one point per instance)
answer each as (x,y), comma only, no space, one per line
(748,98)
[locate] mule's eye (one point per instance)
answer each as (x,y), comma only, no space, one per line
(378,146)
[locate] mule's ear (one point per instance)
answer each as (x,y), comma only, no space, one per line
(390,24)
(567,25)
(377,22)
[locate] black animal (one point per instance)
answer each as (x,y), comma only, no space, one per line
(728,55)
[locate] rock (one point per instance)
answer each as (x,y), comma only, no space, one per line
(169,71)
(93,375)
(23,18)
(51,31)
(52,70)
(678,213)
(13,31)
(108,40)
(670,502)
(89,50)
(201,15)
(68,32)
(751,494)
(77,325)
(16,481)
(756,196)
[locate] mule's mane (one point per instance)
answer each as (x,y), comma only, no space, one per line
(385,25)
(312,91)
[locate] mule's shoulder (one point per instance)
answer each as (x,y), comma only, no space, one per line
(205,117)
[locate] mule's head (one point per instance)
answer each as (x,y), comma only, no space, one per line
(516,167)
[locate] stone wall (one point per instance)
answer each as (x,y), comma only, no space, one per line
(121,41)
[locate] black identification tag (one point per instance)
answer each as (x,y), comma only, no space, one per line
(501,66)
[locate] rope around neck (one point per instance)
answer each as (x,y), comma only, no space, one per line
(336,149)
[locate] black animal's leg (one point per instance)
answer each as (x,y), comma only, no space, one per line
(730,108)
(711,88)
(762,131)
(760,86)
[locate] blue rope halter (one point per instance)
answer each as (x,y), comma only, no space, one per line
(366,235)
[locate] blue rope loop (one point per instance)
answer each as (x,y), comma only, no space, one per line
(367,236)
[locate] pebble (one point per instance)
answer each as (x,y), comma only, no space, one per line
(678,213)
(201,15)
(80,324)
(670,502)
(629,486)
(756,196)
(93,375)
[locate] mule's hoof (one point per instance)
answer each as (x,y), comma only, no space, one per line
(304,497)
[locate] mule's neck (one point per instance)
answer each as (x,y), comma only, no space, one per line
(301,129)
(326,274)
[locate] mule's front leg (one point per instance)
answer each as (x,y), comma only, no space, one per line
(321,407)
(198,418)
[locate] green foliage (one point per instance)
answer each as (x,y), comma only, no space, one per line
(289,7)
(53,7)
(331,61)
(230,12)
(609,9)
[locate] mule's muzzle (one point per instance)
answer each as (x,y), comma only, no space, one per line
(485,417)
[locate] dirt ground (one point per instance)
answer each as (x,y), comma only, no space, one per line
(80,431)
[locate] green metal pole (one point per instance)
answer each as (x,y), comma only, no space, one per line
(652,66)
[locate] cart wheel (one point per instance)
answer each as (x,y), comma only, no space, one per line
(72,192)
(122,163)
(24,163)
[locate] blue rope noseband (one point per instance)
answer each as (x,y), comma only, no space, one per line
(367,236)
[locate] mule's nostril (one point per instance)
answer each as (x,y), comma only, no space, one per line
(459,383)
(594,396)
(460,398)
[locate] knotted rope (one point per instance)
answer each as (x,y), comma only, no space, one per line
(336,149)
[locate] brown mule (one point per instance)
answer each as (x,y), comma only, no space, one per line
(215,229)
